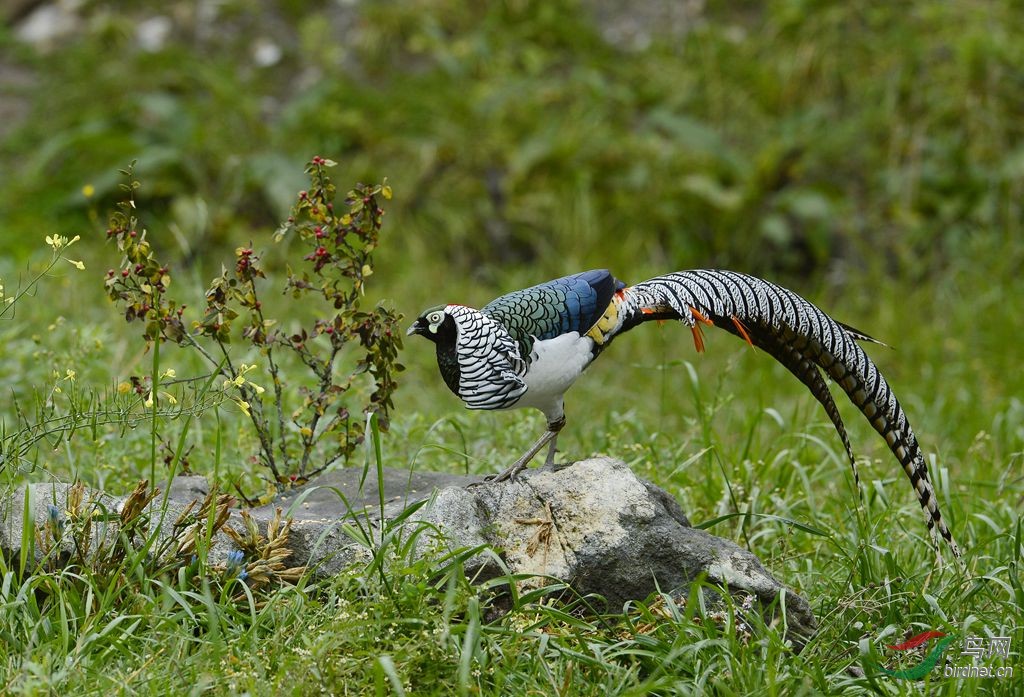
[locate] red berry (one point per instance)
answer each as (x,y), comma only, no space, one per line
(124,274)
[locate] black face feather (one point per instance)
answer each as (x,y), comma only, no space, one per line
(443,334)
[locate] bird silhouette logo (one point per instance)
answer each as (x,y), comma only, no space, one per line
(928,663)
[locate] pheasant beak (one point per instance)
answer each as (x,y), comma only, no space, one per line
(417,328)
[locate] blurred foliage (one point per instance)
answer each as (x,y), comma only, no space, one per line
(791,136)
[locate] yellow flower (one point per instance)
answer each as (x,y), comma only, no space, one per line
(240,380)
(149,400)
(243,405)
(77,264)
(88,190)
(169,397)
(70,375)
(124,387)
(169,373)
(59,241)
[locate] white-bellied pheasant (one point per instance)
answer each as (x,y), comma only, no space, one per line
(526,348)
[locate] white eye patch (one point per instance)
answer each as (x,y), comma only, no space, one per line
(434,319)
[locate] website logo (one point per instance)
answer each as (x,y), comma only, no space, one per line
(983,651)
(924,667)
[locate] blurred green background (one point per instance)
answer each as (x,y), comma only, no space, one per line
(791,137)
(868,155)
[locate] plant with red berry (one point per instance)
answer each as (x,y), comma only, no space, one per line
(294,444)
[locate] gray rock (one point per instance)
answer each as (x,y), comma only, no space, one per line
(350,498)
(187,487)
(39,502)
(49,502)
(592,524)
(597,526)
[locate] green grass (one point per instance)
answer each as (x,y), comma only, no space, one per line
(727,432)
(865,155)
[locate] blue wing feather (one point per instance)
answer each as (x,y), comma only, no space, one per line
(568,304)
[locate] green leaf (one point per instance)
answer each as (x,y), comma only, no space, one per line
(712,192)
(707,524)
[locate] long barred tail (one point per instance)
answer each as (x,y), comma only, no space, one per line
(798,335)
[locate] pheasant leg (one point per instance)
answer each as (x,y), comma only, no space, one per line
(550,437)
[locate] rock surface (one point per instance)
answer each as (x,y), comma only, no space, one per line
(593,524)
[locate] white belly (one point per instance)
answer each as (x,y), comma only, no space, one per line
(555,365)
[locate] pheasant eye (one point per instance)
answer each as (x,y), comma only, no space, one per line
(435,318)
